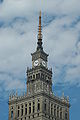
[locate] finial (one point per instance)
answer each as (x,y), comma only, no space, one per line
(68,98)
(40,13)
(16,93)
(63,94)
(39,34)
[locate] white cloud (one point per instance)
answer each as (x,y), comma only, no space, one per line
(11,8)
(9,82)
(19,32)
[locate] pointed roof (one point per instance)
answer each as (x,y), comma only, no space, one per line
(39,34)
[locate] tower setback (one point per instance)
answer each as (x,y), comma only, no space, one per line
(39,103)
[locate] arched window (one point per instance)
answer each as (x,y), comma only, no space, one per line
(26,109)
(11,112)
(54,110)
(66,116)
(29,108)
(38,105)
(18,111)
(33,106)
(38,76)
(45,105)
(51,109)
(42,76)
(58,111)
(29,88)
(33,76)
(21,110)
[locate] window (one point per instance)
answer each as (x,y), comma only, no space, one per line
(12,114)
(25,109)
(58,111)
(33,76)
(51,108)
(33,106)
(29,108)
(65,115)
(38,106)
(18,111)
(54,110)
(45,105)
(21,110)
(42,76)
(38,76)
(30,77)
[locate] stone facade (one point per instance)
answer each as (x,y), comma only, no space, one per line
(39,103)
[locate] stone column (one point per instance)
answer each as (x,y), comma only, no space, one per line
(63,113)
(28,108)
(20,111)
(15,109)
(23,109)
(36,105)
(50,108)
(53,109)
(68,112)
(9,113)
(31,106)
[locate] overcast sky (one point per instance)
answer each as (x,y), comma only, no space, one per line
(61,40)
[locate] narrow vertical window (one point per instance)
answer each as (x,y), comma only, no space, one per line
(29,88)
(38,106)
(22,110)
(18,111)
(45,105)
(33,106)
(29,108)
(38,76)
(11,112)
(66,116)
(51,109)
(42,76)
(25,109)
(33,76)
(54,110)
(58,111)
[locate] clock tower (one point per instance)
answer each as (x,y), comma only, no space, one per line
(39,78)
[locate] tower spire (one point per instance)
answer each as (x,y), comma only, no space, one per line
(39,34)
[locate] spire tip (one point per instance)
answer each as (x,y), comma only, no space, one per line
(40,13)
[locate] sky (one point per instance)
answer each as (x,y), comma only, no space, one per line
(61,40)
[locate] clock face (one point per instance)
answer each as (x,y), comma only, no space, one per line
(44,63)
(36,63)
